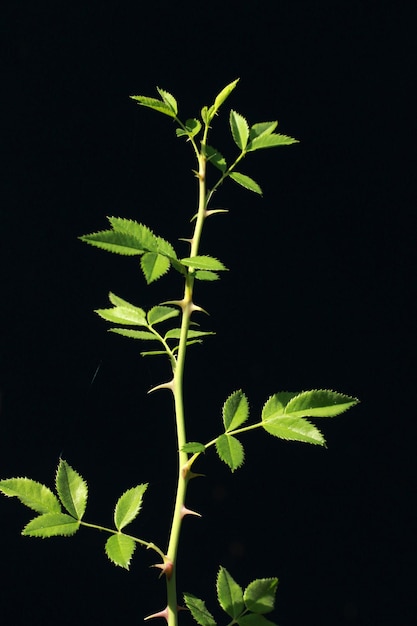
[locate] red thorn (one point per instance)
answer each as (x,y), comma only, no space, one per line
(163,614)
(166,568)
(185,511)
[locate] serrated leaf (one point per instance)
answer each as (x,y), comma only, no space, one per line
(204,115)
(229,594)
(198,610)
(169,99)
(235,410)
(262,128)
(152,352)
(135,334)
(224,94)
(51,525)
(192,127)
(160,313)
(123,315)
(154,103)
(216,158)
(204,263)
(270,141)
(129,505)
(145,238)
(253,619)
(206,275)
(259,595)
(246,181)
(72,489)
(117,301)
(114,241)
(193,447)
(239,128)
(230,451)
(32,494)
(175,333)
(319,403)
(120,548)
(293,429)
(154,266)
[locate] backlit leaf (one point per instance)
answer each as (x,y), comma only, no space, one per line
(168,99)
(230,451)
(293,429)
(160,313)
(235,410)
(72,490)
(246,182)
(192,127)
(262,128)
(145,238)
(204,263)
(198,610)
(270,141)
(123,315)
(229,594)
(120,548)
(135,334)
(239,128)
(124,303)
(206,275)
(51,525)
(154,266)
(113,241)
(175,333)
(129,505)
(319,403)
(153,103)
(216,158)
(193,446)
(32,494)
(224,94)
(259,595)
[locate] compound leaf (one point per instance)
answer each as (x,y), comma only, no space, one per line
(235,410)
(51,525)
(240,129)
(129,505)
(229,594)
(319,403)
(72,489)
(154,265)
(198,610)
(293,429)
(230,451)
(120,548)
(160,313)
(259,595)
(192,128)
(32,494)
(114,241)
(204,263)
(246,181)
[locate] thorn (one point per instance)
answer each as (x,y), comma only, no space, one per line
(209,212)
(195,307)
(170,385)
(190,241)
(163,614)
(181,303)
(185,511)
(166,567)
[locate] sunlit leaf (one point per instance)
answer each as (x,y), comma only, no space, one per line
(259,595)
(198,610)
(135,334)
(123,315)
(113,241)
(154,266)
(224,94)
(32,494)
(120,548)
(124,303)
(216,158)
(293,429)
(51,525)
(246,182)
(270,141)
(239,128)
(235,410)
(229,594)
(262,128)
(192,127)
(153,103)
(168,99)
(72,489)
(319,403)
(145,238)
(193,446)
(206,275)
(129,505)
(175,333)
(160,313)
(204,263)
(230,451)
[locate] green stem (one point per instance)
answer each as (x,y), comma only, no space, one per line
(178,374)
(112,531)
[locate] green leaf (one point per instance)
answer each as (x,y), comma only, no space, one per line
(124,303)
(152,352)
(154,266)
(230,451)
(32,494)
(270,141)
(216,158)
(159,314)
(240,129)
(229,594)
(135,334)
(193,446)
(123,315)
(120,549)
(204,263)
(192,128)
(113,241)
(206,275)
(175,333)
(262,128)
(72,489)
(224,94)
(293,429)
(198,610)
(246,182)
(169,100)
(235,410)
(319,403)
(253,619)
(51,525)
(129,505)
(259,595)
(145,238)
(154,103)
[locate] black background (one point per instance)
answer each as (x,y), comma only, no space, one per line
(320,294)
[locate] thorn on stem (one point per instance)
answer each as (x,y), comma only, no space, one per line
(169,385)
(163,614)
(166,567)
(185,511)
